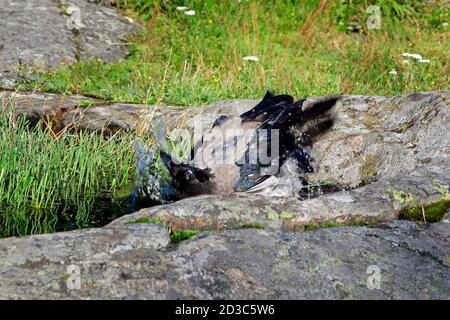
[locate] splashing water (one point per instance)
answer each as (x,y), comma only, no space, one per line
(152,181)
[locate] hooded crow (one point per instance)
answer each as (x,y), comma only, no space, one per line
(253,152)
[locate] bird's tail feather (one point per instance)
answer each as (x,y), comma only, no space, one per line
(319,128)
(319,108)
(268,107)
(281,112)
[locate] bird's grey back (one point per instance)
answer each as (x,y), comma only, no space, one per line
(223,146)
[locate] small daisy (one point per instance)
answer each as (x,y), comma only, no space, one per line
(445,24)
(413,55)
(405,61)
(424,61)
(251,58)
(182,8)
(393,72)
(190,13)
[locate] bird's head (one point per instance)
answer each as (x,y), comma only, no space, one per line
(187,180)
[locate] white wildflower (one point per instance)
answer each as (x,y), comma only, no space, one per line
(445,24)
(251,58)
(393,72)
(190,13)
(424,61)
(413,55)
(182,8)
(405,61)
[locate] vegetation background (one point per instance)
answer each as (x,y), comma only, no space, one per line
(305,48)
(195,55)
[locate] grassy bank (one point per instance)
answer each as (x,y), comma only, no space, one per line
(304,48)
(49,181)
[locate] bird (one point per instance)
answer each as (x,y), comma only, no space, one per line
(254,152)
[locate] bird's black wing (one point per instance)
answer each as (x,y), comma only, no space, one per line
(281,113)
(269,106)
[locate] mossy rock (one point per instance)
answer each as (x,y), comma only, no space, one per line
(182,235)
(433,212)
(146,220)
(255,225)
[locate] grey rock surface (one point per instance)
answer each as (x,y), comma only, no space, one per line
(396,260)
(388,138)
(375,202)
(378,149)
(38,35)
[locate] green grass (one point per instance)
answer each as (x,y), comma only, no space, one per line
(48,180)
(182,235)
(305,48)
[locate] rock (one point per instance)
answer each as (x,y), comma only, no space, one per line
(139,116)
(397,135)
(374,202)
(379,150)
(395,260)
(93,114)
(386,152)
(38,35)
(112,116)
(37,106)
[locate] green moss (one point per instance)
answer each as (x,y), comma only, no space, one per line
(286,215)
(402,196)
(272,215)
(441,188)
(86,103)
(315,226)
(332,224)
(146,220)
(432,212)
(255,225)
(63,7)
(181,235)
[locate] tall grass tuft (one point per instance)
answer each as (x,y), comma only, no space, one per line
(47,181)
